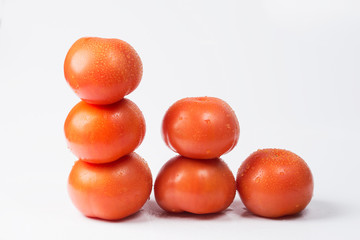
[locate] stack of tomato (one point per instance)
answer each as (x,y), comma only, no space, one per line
(201,130)
(109,181)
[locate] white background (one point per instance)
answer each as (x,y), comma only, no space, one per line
(290,70)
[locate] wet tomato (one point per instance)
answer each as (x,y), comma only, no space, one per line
(102,70)
(274,183)
(104,133)
(110,191)
(194,185)
(200,127)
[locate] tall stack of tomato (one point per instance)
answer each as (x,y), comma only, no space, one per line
(201,130)
(109,181)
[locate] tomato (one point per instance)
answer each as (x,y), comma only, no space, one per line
(194,185)
(101,70)
(274,183)
(104,133)
(200,127)
(110,191)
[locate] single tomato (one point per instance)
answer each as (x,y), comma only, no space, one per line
(194,185)
(110,191)
(102,70)
(200,127)
(274,183)
(104,133)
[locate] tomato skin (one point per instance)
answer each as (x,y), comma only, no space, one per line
(194,185)
(274,183)
(101,70)
(200,127)
(110,191)
(104,133)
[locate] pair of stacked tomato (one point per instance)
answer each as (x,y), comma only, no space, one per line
(198,181)
(109,180)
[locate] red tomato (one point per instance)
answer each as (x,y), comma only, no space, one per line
(110,191)
(201,127)
(274,183)
(104,133)
(102,71)
(194,185)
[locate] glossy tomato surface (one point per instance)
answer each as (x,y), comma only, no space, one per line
(102,70)
(194,185)
(200,127)
(274,183)
(110,191)
(104,133)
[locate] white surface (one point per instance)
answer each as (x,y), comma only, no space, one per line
(289,69)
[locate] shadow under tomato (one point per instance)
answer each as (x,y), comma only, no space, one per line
(132,218)
(248,214)
(317,209)
(153,209)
